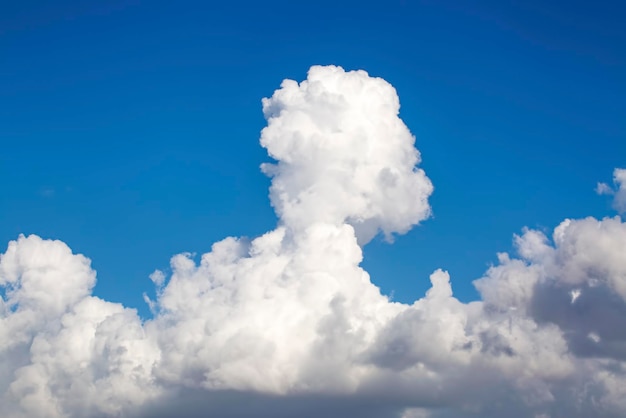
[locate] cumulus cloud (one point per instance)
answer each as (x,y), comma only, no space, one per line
(344,155)
(289,324)
(618,192)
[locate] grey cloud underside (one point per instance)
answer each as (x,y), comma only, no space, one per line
(289,324)
(200,404)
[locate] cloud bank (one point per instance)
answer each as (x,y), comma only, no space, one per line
(289,324)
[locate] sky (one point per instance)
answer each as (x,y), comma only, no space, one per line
(132,132)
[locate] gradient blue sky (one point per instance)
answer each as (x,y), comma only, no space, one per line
(130,129)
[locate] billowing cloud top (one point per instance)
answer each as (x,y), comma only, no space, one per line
(289,324)
(344,155)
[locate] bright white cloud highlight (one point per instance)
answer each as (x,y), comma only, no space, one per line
(344,155)
(289,324)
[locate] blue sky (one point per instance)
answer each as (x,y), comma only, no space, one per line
(130,130)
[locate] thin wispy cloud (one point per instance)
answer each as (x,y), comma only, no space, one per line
(47,192)
(289,324)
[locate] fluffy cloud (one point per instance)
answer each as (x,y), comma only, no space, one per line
(289,324)
(343,155)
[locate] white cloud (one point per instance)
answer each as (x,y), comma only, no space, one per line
(603,188)
(619,192)
(289,324)
(344,155)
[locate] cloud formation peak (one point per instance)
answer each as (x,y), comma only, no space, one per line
(344,155)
